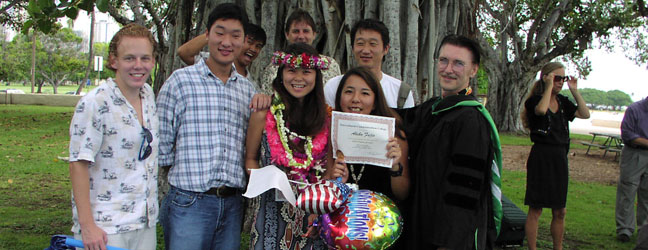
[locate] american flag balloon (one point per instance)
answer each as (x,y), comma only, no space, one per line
(323,197)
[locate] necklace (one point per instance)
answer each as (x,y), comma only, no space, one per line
(356,179)
(283,131)
(300,165)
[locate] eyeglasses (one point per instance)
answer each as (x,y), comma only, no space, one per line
(561,78)
(456,64)
(145,152)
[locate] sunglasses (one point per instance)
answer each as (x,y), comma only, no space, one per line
(145,151)
(561,78)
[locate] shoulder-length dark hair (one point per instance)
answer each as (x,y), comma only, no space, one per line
(380,107)
(538,88)
(309,117)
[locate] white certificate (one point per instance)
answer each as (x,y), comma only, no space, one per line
(362,138)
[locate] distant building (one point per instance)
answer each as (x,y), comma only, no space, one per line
(105,28)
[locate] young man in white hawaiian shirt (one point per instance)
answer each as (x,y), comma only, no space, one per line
(114,148)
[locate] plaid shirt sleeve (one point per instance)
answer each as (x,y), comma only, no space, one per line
(168,107)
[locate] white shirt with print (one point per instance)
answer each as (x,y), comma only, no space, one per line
(106,132)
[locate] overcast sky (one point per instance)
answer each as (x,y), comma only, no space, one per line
(612,71)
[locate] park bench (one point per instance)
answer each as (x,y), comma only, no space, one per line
(612,143)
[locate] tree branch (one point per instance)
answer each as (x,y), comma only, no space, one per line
(137,12)
(641,6)
(11,4)
(114,13)
(489,9)
(531,35)
(156,20)
(548,26)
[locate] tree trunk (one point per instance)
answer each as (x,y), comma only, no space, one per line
(506,98)
(391,18)
(370,9)
(414,31)
(352,11)
(40,86)
(332,15)
(90,54)
(411,45)
(55,87)
(444,19)
(33,66)
(269,15)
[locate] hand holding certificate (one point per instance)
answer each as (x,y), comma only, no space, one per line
(362,138)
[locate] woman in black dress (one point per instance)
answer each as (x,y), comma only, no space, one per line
(547,115)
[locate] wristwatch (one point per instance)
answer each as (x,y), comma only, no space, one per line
(398,172)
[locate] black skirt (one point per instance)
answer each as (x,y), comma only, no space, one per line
(547,176)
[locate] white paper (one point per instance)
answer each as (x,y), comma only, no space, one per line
(362,138)
(266,178)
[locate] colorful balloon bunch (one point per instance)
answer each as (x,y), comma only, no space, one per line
(360,219)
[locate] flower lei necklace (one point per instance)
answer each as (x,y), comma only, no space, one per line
(278,134)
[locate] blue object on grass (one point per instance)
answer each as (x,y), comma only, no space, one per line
(63,242)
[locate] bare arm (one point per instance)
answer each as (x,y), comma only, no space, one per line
(335,167)
(582,111)
(190,49)
(543,105)
(253,140)
(93,236)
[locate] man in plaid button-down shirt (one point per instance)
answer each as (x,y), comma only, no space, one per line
(204,115)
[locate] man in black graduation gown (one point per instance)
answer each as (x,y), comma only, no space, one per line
(451,159)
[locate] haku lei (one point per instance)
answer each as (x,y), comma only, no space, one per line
(278,134)
(304,61)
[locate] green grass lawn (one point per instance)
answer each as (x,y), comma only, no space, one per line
(34,186)
(35,190)
(523,140)
(48,88)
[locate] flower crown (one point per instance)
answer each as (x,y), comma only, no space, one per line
(300,61)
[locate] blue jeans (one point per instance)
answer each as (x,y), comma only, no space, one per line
(198,221)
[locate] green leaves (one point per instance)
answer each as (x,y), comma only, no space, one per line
(72,12)
(47,4)
(87,5)
(43,14)
(33,7)
(102,5)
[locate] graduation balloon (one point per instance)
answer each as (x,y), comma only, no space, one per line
(367,220)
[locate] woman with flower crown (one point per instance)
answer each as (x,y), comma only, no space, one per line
(292,135)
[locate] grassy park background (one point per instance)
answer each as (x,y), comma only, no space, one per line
(47,89)
(35,190)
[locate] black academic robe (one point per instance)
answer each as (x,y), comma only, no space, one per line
(450,159)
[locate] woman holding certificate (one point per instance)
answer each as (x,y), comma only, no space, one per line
(360,92)
(292,135)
